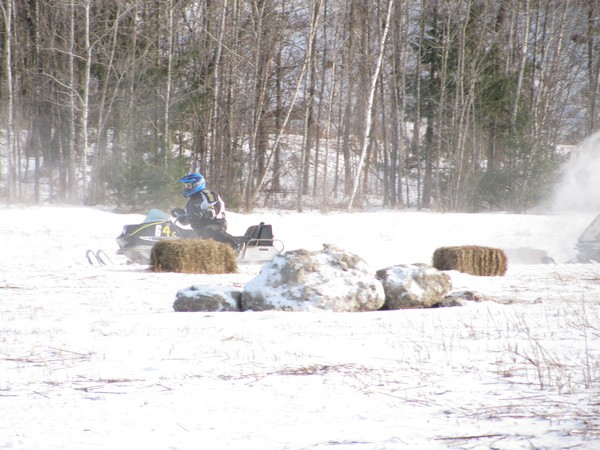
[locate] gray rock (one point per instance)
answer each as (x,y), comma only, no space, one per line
(414,286)
(462,298)
(302,280)
(208,298)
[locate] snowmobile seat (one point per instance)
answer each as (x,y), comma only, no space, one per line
(259,235)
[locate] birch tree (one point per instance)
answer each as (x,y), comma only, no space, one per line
(11,179)
(369,107)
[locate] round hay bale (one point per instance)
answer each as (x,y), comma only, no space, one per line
(471,259)
(193,256)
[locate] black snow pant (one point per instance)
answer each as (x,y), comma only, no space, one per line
(216,233)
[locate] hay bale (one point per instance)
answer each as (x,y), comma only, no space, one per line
(193,256)
(471,259)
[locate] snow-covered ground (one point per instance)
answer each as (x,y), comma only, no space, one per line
(95,357)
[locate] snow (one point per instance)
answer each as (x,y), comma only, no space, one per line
(314,281)
(96,358)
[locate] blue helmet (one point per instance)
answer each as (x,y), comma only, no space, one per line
(192,183)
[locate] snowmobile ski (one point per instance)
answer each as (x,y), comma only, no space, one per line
(97,258)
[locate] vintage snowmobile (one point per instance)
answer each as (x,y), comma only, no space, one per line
(136,241)
(588,245)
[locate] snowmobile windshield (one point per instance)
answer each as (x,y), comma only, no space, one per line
(156,215)
(592,232)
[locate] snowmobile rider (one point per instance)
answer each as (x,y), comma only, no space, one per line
(204,211)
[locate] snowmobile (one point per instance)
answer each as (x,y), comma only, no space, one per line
(588,245)
(136,241)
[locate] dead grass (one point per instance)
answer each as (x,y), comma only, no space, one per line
(193,256)
(471,259)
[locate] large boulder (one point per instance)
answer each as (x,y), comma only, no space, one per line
(414,286)
(302,280)
(208,298)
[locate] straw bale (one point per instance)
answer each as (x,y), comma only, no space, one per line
(193,256)
(471,259)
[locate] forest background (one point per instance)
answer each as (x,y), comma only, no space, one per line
(453,105)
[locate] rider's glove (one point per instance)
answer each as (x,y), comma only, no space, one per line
(175,212)
(207,214)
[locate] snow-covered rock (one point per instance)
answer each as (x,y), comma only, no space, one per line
(413,286)
(208,298)
(302,280)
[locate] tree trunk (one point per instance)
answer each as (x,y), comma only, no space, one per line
(11,182)
(85,100)
(369,107)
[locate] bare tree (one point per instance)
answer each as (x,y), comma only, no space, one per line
(11,179)
(100,92)
(309,100)
(369,106)
(593,65)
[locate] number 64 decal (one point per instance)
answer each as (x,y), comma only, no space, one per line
(164,231)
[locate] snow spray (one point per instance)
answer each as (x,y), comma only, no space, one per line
(580,183)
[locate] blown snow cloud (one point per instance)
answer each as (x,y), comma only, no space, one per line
(578,190)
